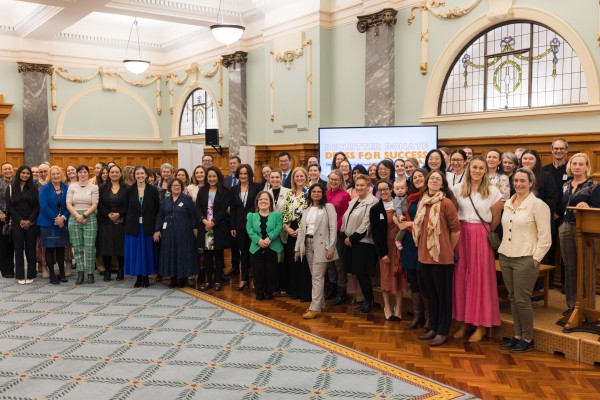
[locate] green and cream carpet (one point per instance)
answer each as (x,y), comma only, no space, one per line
(111,341)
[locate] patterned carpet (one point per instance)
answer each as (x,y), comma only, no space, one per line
(111,341)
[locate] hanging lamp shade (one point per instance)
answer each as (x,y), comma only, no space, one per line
(136,64)
(227,34)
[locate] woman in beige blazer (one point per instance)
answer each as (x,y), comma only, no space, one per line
(316,241)
(360,257)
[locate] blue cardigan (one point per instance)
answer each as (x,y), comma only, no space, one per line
(49,206)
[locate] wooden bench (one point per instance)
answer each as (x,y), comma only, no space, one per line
(545,273)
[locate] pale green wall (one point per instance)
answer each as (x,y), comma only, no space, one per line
(338,89)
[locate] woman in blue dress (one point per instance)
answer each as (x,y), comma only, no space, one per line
(177,228)
(142,206)
(409,254)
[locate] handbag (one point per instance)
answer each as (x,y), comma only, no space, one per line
(493,238)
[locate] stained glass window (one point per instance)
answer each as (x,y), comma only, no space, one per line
(198,114)
(514,66)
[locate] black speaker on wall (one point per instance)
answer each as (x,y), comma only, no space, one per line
(212,137)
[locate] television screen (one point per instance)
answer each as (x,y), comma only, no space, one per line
(368,145)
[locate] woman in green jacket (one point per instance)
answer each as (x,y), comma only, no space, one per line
(264,227)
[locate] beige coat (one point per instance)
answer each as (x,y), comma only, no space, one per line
(358,220)
(324,237)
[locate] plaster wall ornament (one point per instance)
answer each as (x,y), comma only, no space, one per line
(239,57)
(387,16)
(281,53)
(432,6)
(192,72)
(500,9)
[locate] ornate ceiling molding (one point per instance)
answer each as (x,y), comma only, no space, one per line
(387,16)
(27,67)
(239,57)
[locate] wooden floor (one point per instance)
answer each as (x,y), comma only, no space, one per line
(481,369)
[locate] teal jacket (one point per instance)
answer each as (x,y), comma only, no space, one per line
(274,228)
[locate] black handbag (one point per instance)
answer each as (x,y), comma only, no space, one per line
(493,238)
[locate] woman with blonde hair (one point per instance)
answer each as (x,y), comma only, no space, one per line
(475,294)
(297,278)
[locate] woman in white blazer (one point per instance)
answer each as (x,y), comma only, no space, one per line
(316,241)
(360,257)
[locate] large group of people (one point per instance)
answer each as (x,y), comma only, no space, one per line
(294,232)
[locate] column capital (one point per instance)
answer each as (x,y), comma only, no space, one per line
(239,57)
(387,16)
(28,67)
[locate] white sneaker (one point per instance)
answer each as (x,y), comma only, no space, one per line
(29,281)
(21,281)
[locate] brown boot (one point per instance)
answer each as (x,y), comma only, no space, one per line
(427,326)
(418,317)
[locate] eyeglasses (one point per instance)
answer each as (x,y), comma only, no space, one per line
(386,189)
(435,178)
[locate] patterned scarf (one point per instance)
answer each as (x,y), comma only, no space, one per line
(433,226)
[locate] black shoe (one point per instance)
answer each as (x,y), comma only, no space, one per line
(120,274)
(183,282)
(366,308)
(268,296)
(225,280)
(339,300)
(218,287)
(567,312)
(173,283)
(145,281)
(509,343)
(54,280)
(205,287)
(331,293)
(80,278)
(242,286)
(232,271)
(260,297)
(90,280)
(9,276)
(522,347)
(63,279)
(107,274)
(138,281)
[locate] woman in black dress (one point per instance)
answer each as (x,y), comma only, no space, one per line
(111,215)
(213,233)
(177,228)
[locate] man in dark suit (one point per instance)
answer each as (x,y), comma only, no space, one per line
(230,182)
(285,164)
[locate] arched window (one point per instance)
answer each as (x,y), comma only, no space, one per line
(518,65)
(198,114)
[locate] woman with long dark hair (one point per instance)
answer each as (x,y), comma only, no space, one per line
(435,161)
(143,203)
(111,222)
(212,204)
(316,241)
(23,207)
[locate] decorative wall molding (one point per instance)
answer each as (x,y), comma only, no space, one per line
(280,54)
(239,57)
(109,78)
(431,6)
(192,71)
(387,16)
(154,136)
(28,67)
(5,111)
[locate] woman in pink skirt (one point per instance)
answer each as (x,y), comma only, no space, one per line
(475,295)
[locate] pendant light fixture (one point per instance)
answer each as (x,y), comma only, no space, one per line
(135,65)
(226,33)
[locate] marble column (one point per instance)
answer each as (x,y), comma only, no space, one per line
(238,110)
(5,111)
(380,95)
(36,137)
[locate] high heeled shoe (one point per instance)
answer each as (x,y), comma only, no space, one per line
(138,281)
(90,279)
(477,335)
(173,284)
(145,281)
(243,285)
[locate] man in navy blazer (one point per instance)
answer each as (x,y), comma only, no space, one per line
(231,181)
(285,164)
